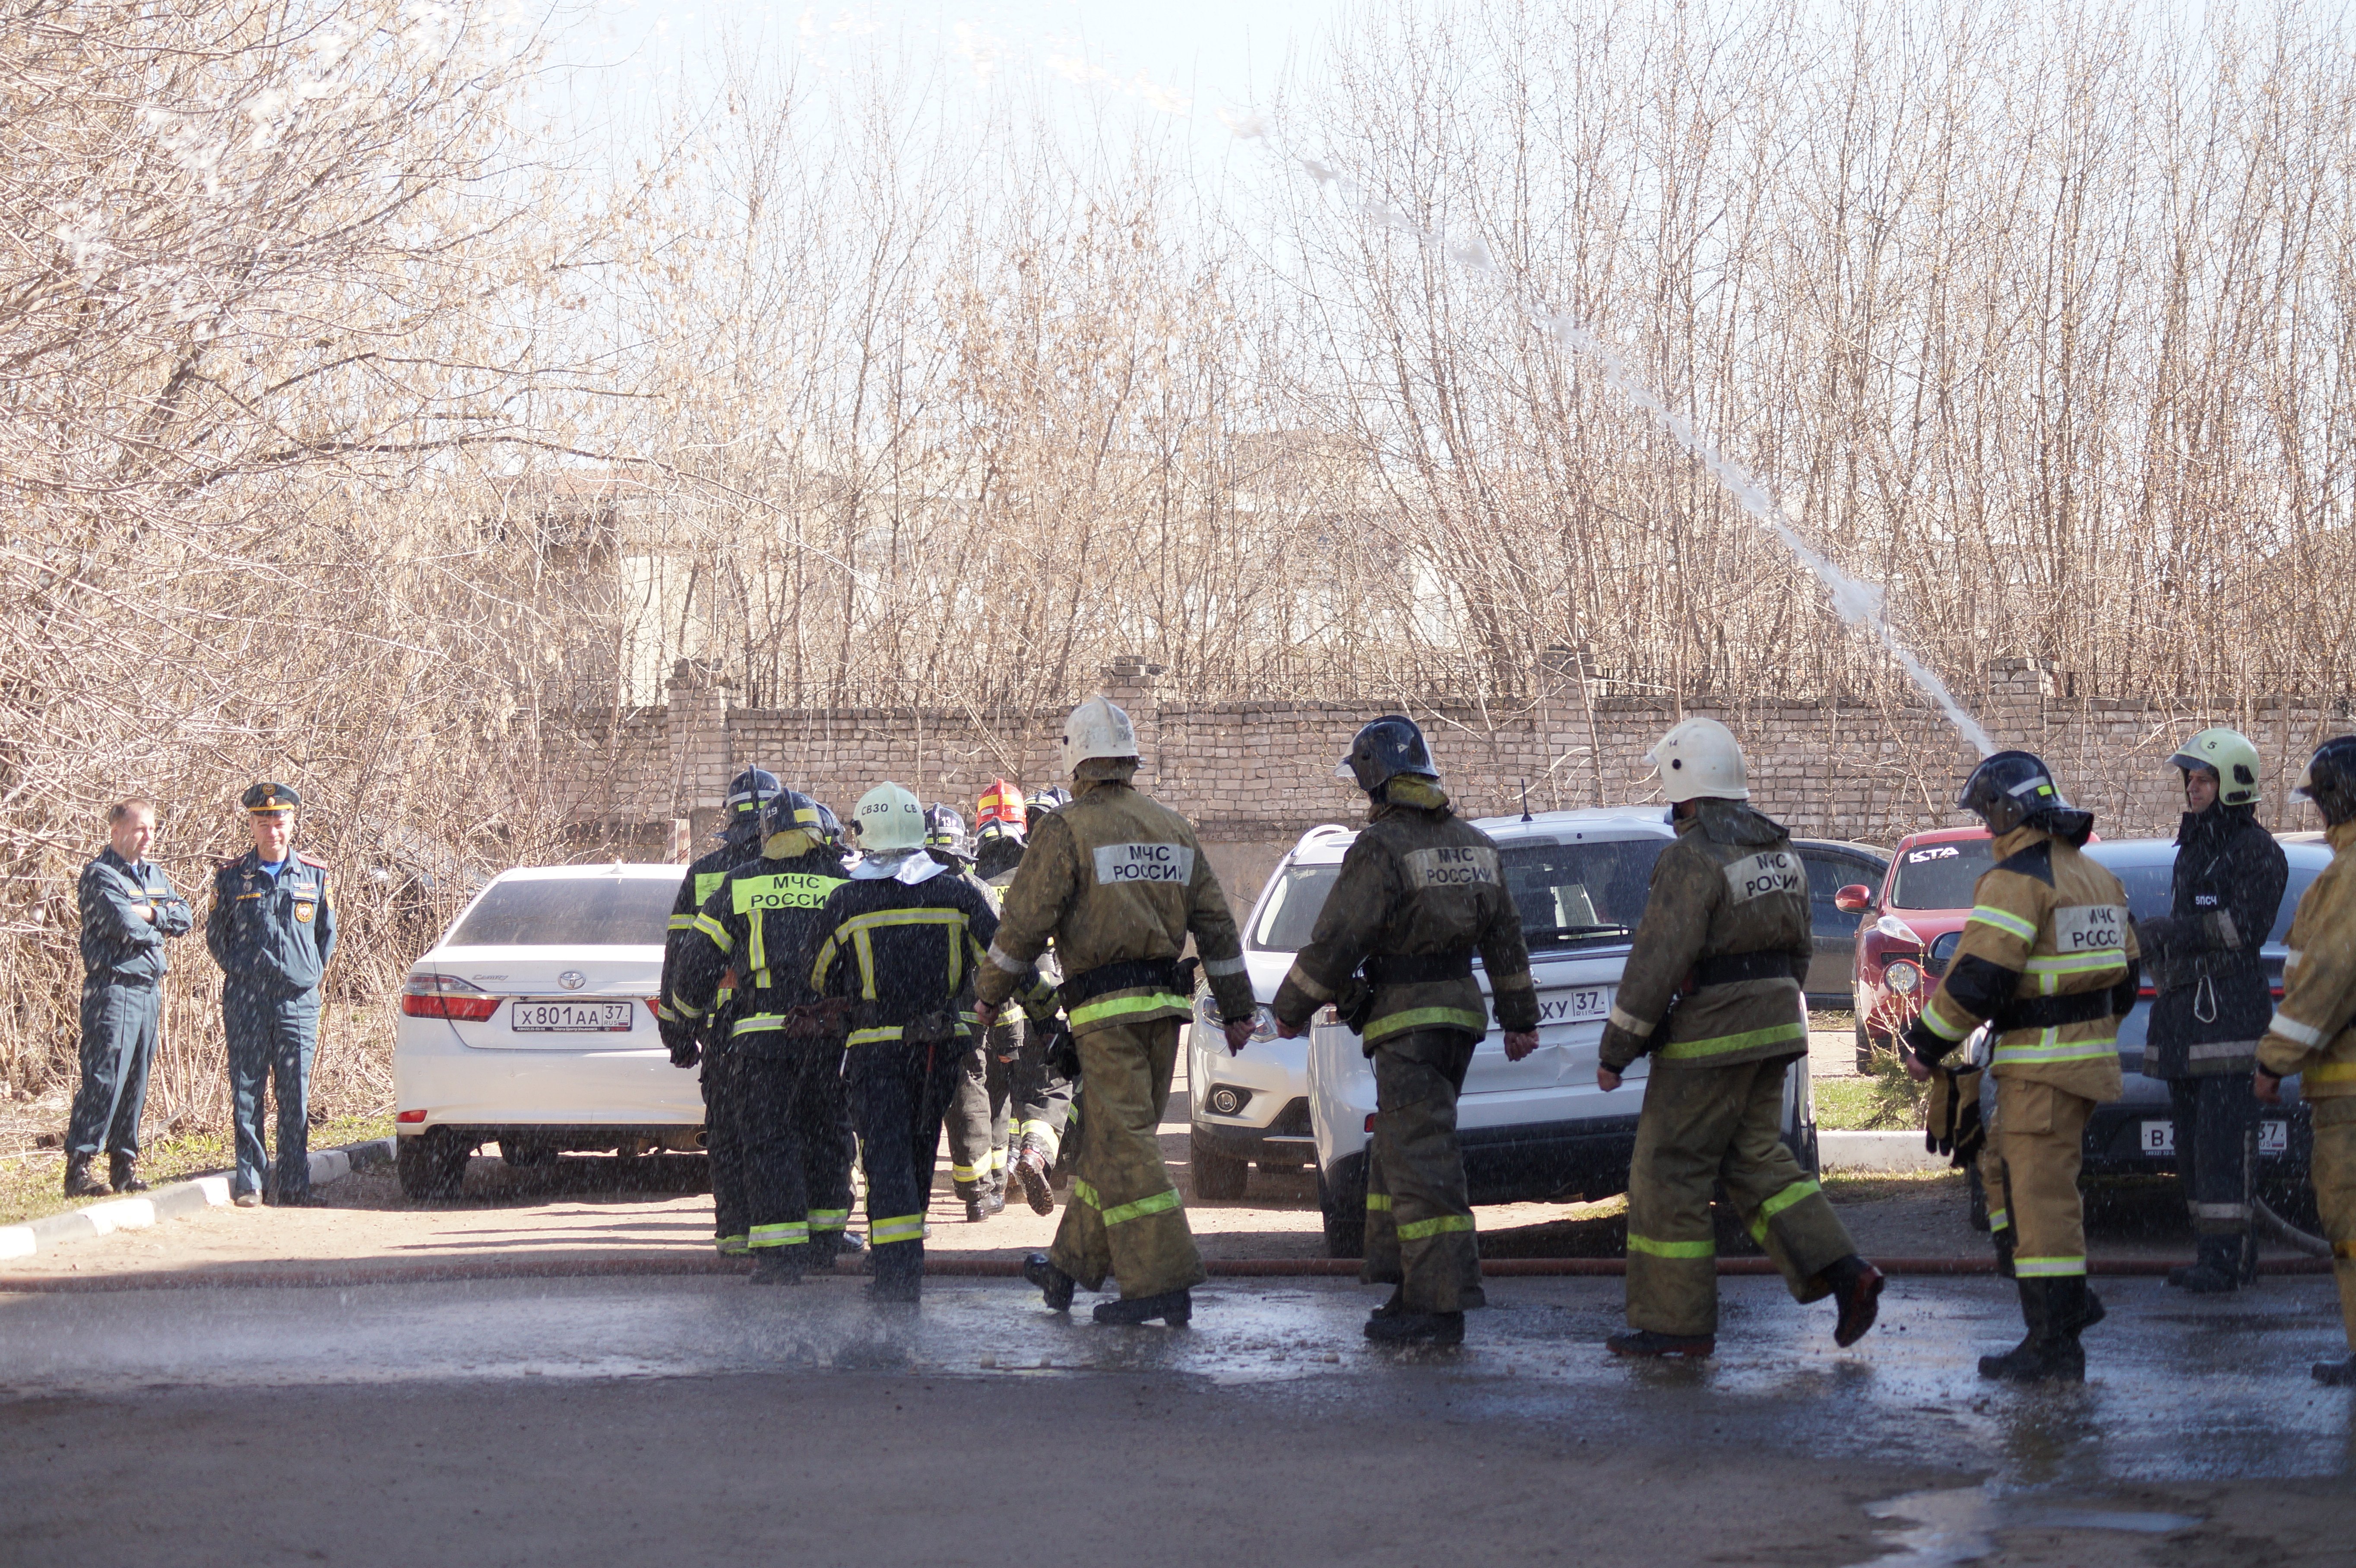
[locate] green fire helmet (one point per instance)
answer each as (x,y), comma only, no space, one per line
(2227,753)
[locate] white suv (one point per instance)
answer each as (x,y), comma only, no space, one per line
(1537,1130)
(1253,1107)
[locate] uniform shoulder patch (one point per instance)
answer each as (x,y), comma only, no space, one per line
(310,859)
(2037,860)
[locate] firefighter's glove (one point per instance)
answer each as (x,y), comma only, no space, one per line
(1950,1117)
(678,1036)
(1923,1043)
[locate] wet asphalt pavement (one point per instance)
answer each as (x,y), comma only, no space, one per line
(600,1417)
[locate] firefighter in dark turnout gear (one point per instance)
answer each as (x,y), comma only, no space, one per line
(1118,882)
(129,910)
(788,1042)
(2049,960)
(1712,991)
(901,941)
(976,1119)
(1421,891)
(272,929)
(702,1040)
(2214,998)
(2313,1035)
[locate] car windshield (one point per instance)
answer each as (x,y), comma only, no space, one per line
(1290,915)
(569,912)
(1940,876)
(1589,892)
(2151,892)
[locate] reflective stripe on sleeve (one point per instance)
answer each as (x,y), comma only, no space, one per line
(2005,920)
(1300,980)
(2291,1029)
(717,931)
(682,922)
(1999,1219)
(1651,1248)
(1935,1015)
(1641,1028)
(1720,1045)
(1000,960)
(1224,966)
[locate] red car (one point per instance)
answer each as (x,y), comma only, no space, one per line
(1925,894)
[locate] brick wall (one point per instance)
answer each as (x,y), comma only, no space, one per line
(1252,775)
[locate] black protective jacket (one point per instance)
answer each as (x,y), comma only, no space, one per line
(703,878)
(2213,1002)
(904,955)
(760,920)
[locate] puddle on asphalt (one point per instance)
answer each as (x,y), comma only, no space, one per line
(1960,1525)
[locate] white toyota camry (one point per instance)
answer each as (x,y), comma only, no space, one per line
(530,1024)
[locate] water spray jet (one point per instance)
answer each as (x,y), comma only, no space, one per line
(1855,601)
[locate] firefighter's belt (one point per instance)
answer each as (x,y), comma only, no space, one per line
(1128,974)
(2053,1012)
(1733,968)
(1417,968)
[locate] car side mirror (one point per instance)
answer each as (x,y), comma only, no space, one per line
(1855,899)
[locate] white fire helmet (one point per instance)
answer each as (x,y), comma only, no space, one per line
(890,821)
(1097,729)
(1700,759)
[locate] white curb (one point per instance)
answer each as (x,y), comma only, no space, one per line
(1876,1151)
(189,1197)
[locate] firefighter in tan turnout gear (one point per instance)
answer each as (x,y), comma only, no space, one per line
(2313,1034)
(2049,962)
(1418,892)
(1117,880)
(1711,992)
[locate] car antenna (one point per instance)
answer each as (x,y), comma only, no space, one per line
(1525,800)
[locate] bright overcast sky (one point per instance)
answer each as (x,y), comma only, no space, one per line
(1189,58)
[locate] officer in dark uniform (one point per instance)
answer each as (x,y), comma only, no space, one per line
(703,1039)
(2214,1000)
(272,929)
(1420,892)
(129,909)
(786,1040)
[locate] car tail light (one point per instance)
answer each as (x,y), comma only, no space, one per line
(446,996)
(1370,1124)
(654,1005)
(410,1116)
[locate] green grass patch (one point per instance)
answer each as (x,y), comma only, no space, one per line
(30,1189)
(1883,1101)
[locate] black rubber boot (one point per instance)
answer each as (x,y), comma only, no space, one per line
(2215,1269)
(1648,1342)
(1856,1289)
(1173,1306)
(1031,1172)
(2054,1310)
(79,1182)
(1052,1282)
(2335,1374)
(1394,1305)
(983,1204)
(2003,1240)
(777,1265)
(122,1174)
(1408,1327)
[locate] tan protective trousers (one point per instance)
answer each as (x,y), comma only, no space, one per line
(1418,1220)
(1699,1127)
(2029,1169)
(2334,1174)
(1124,1218)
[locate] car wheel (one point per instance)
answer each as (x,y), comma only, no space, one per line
(1979,1215)
(1342,1200)
(1216,1175)
(431,1166)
